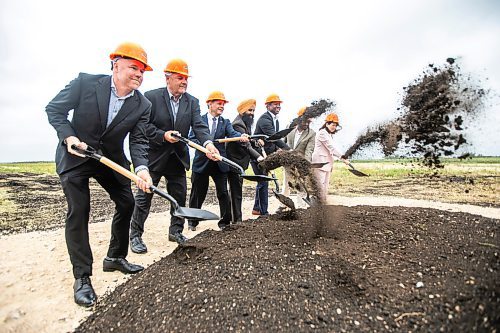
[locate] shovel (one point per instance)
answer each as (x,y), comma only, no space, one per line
(189,213)
(284,200)
(254,178)
(318,165)
(281,198)
(251,137)
(279,135)
(354,171)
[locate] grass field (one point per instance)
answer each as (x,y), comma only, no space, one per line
(475,180)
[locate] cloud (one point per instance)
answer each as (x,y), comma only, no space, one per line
(359,54)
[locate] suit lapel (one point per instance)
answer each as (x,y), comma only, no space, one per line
(169,107)
(103,96)
(291,139)
(130,104)
(303,136)
(220,122)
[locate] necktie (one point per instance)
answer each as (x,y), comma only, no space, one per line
(214,127)
(277,125)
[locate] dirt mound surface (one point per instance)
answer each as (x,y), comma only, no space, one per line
(331,269)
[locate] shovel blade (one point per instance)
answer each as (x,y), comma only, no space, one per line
(257,178)
(279,135)
(195,214)
(307,201)
(318,165)
(357,173)
(284,200)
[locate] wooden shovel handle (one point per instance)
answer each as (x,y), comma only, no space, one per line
(229,139)
(121,170)
(202,149)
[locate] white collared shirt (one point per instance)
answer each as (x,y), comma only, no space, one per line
(297,138)
(211,122)
(275,118)
(115,102)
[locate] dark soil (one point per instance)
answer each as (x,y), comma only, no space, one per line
(315,110)
(434,108)
(39,202)
(331,269)
(301,176)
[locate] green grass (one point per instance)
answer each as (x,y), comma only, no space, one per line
(29,167)
(387,168)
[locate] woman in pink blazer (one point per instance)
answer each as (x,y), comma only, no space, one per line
(324,151)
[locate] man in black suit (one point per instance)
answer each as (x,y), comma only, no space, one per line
(203,168)
(106,109)
(267,124)
(173,111)
(241,153)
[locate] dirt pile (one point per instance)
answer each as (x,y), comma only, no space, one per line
(434,108)
(371,269)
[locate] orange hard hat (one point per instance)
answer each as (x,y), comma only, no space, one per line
(302,111)
(177,66)
(133,51)
(273,98)
(332,117)
(217,95)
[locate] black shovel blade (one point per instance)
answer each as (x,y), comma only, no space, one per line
(284,200)
(257,178)
(356,172)
(280,134)
(318,165)
(195,214)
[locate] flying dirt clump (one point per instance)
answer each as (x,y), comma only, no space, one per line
(299,169)
(316,109)
(434,108)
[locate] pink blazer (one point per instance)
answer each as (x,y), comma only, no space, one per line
(324,151)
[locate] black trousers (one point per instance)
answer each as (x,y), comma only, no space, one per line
(176,187)
(75,184)
(199,188)
(236,191)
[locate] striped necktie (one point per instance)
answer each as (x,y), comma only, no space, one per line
(214,127)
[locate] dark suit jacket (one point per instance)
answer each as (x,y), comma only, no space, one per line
(224,130)
(241,152)
(161,152)
(265,125)
(88,95)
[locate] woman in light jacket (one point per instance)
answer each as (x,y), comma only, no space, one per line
(324,151)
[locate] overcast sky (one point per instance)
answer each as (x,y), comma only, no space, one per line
(359,53)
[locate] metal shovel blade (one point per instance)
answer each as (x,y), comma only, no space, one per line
(318,165)
(257,178)
(194,214)
(284,200)
(356,172)
(280,134)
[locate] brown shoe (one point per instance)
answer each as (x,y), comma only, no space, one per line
(255,212)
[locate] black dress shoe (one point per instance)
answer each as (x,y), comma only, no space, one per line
(120,264)
(224,226)
(178,237)
(137,245)
(84,293)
